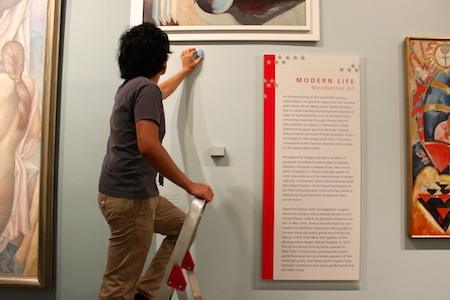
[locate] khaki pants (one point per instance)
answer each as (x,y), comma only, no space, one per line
(132,223)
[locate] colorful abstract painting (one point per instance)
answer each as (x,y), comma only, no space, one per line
(428,84)
(261,20)
(225,12)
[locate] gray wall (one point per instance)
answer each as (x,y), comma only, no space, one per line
(221,104)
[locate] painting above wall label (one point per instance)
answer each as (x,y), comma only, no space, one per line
(202,20)
(312,168)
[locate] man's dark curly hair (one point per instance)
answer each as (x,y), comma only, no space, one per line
(143,51)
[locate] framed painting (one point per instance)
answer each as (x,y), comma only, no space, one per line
(29,41)
(428,98)
(225,20)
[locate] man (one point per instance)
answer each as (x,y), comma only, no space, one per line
(128,194)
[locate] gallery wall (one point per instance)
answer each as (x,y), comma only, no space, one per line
(220,104)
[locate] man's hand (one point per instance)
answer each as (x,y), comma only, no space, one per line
(201,191)
(188,59)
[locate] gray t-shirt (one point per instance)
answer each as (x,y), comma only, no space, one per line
(125,172)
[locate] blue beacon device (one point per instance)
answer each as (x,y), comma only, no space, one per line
(199,53)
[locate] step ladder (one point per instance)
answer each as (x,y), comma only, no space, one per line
(181,259)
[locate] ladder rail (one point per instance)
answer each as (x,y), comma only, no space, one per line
(183,244)
(194,285)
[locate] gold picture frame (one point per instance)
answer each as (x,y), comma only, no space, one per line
(428,107)
(30,262)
